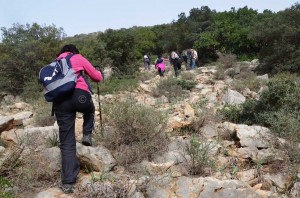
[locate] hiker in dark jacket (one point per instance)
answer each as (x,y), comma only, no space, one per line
(65,111)
(175,61)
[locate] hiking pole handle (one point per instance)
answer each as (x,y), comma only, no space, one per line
(100,70)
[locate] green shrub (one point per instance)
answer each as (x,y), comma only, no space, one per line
(32,91)
(277,108)
(199,156)
(139,131)
(227,60)
(282,95)
(284,124)
(187,76)
(117,84)
(187,84)
(248,81)
(230,113)
(173,88)
(239,114)
(220,74)
(4,188)
(53,140)
(170,88)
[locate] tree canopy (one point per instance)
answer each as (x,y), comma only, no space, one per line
(272,37)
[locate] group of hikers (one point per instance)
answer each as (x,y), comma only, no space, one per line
(80,100)
(189,56)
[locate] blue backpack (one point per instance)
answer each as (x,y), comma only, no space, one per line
(58,79)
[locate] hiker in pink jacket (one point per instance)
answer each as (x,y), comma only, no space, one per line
(160,65)
(65,111)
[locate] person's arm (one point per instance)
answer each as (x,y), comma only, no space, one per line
(93,73)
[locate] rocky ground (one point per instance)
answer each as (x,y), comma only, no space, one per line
(245,159)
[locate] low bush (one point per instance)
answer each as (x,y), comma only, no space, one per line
(173,88)
(187,84)
(32,90)
(117,84)
(53,140)
(139,131)
(278,109)
(28,173)
(220,74)
(5,185)
(169,88)
(248,81)
(187,76)
(42,116)
(282,95)
(227,60)
(198,154)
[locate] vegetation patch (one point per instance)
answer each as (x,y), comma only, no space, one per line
(173,88)
(42,116)
(117,84)
(198,156)
(139,132)
(278,109)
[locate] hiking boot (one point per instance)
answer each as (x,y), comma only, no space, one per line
(87,140)
(66,188)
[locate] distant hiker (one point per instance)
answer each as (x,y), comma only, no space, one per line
(147,62)
(188,59)
(194,56)
(175,62)
(65,111)
(160,65)
(184,56)
(180,60)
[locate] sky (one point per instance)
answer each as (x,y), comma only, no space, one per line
(88,16)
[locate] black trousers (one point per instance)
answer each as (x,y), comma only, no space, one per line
(160,72)
(177,66)
(65,112)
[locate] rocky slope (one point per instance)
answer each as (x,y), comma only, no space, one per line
(244,156)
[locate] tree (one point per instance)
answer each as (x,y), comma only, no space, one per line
(23,51)
(279,38)
(145,40)
(120,48)
(229,33)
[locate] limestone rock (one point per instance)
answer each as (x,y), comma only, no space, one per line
(53,193)
(233,97)
(98,158)
(6,123)
(20,117)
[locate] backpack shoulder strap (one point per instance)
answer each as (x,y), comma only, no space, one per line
(68,57)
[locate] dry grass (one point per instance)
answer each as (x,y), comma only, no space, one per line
(42,116)
(27,169)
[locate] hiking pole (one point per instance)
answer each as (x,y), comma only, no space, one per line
(99,104)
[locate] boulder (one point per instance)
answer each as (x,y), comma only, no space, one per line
(95,158)
(233,97)
(6,123)
(200,187)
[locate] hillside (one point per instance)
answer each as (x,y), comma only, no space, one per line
(165,138)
